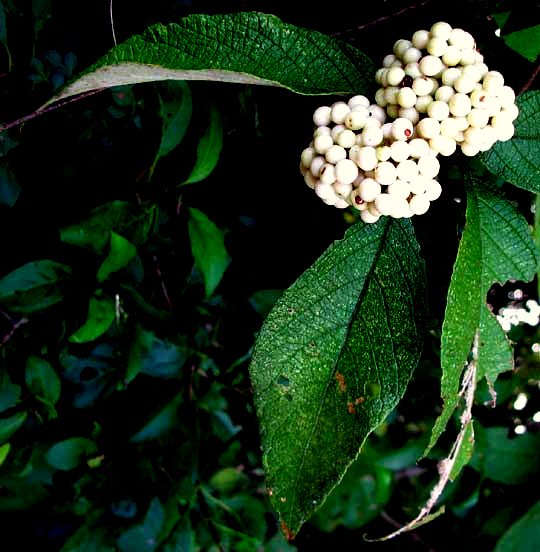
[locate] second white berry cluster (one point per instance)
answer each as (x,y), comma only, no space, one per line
(438,95)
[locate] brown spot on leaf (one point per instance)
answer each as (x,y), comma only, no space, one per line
(350,408)
(341,380)
(287,532)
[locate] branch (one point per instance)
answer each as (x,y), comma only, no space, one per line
(44,110)
(14,327)
(381,19)
(446,466)
(527,85)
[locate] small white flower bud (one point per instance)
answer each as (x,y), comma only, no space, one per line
(307,157)
(468,57)
(393,110)
(450,75)
(399,150)
(358,101)
(369,189)
(505,132)
(346,171)
(322,143)
(462,39)
(507,97)
(433,189)
(431,65)
(385,173)
(342,189)
(411,55)
(512,112)
(422,103)
(368,217)
(443,144)
(441,29)
(401,46)
(437,46)
(380,76)
(402,129)
(419,204)
(380,97)
(322,115)
(493,82)
(428,128)
(346,138)
(399,189)
(310,180)
(413,70)
(444,93)
(420,39)
(438,110)
(340,110)
(464,84)
(452,56)
(395,75)
(450,127)
(383,153)
(478,117)
(470,149)
(409,113)
(460,105)
(328,173)
(367,158)
(355,120)
(389,60)
(406,97)
(326,192)
(407,170)
(429,166)
(335,153)
(418,148)
(385,203)
(316,165)
(377,112)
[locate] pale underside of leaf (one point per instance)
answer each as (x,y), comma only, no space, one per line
(133,73)
(332,360)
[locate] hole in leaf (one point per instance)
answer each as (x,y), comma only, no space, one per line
(282,380)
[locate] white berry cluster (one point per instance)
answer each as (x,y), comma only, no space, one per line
(436,94)
(441,84)
(359,159)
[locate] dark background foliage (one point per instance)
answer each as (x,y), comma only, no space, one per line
(200,461)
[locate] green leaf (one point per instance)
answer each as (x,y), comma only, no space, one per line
(136,223)
(154,356)
(208,149)
(88,539)
(67,455)
(4,451)
(161,423)
(8,426)
(208,249)
(496,246)
(101,314)
(524,534)
(241,47)
(121,252)
(175,109)
(333,358)
(33,286)
(144,538)
(510,461)
(42,380)
(9,391)
(516,160)
(9,187)
(525,42)
(501,18)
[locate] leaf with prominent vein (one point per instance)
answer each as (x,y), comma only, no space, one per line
(517,159)
(496,246)
(333,358)
(251,48)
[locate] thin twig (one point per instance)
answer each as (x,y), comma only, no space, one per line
(14,327)
(531,79)
(112,23)
(42,111)
(163,288)
(446,466)
(381,19)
